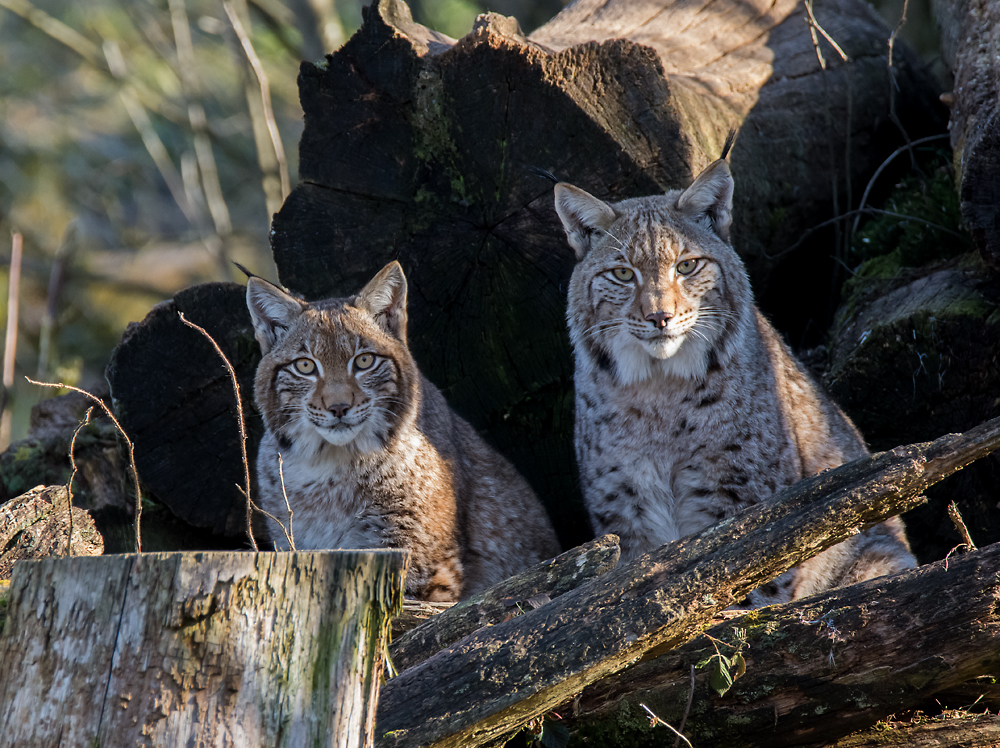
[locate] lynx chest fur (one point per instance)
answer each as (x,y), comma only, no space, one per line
(689,407)
(368,453)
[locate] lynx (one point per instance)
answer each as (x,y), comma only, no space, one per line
(371,454)
(689,406)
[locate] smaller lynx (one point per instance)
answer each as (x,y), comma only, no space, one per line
(372,455)
(689,407)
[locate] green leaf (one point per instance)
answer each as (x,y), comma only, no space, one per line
(721,680)
(554,734)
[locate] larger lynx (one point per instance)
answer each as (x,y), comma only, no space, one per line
(372,455)
(689,406)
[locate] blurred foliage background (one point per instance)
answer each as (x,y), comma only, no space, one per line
(138,154)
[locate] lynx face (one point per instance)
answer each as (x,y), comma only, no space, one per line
(335,372)
(656,285)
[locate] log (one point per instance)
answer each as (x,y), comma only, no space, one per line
(945,731)
(969,32)
(197,649)
(914,353)
(498,678)
(419,148)
(37,525)
(816,669)
(528,590)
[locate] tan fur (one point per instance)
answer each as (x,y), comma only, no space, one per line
(372,456)
(689,407)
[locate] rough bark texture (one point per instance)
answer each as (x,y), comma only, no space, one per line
(816,669)
(498,678)
(419,148)
(528,590)
(970,41)
(174,398)
(918,354)
(37,525)
(946,731)
(229,649)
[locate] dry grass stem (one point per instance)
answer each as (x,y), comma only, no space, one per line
(687,711)
(270,516)
(893,86)
(239,416)
(814,26)
(654,721)
(290,534)
(10,339)
(128,442)
(265,95)
(72,475)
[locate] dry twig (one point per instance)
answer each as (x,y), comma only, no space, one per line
(239,416)
(10,340)
(72,475)
(128,442)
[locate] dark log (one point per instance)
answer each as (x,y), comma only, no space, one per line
(247,649)
(969,30)
(816,669)
(918,354)
(419,148)
(530,589)
(37,525)
(945,731)
(498,678)
(174,398)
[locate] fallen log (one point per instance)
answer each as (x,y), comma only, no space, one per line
(419,148)
(197,648)
(528,590)
(816,669)
(969,31)
(945,731)
(498,678)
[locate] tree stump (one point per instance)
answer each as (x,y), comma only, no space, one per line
(419,148)
(234,649)
(970,43)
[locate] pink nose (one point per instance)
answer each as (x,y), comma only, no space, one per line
(339,410)
(659,319)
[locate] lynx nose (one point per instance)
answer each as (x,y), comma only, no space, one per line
(339,410)
(659,319)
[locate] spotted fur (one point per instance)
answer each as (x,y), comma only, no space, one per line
(689,406)
(371,454)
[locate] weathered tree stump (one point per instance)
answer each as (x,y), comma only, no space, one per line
(37,525)
(197,649)
(816,669)
(970,42)
(420,148)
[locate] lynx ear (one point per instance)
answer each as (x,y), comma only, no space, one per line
(272,311)
(582,216)
(711,196)
(385,299)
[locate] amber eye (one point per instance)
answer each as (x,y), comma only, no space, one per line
(304,365)
(364,361)
(687,267)
(624,274)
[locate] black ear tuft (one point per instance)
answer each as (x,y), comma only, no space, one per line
(730,140)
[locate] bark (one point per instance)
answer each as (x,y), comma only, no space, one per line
(419,148)
(500,677)
(37,524)
(945,731)
(528,590)
(918,354)
(970,41)
(174,398)
(816,669)
(198,649)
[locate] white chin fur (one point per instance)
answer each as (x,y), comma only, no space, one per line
(339,437)
(685,357)
(663,347)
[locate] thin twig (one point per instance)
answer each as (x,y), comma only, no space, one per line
(239,416)
(687,710)
(814,24)
(880,169)
(128,442)
(654,721)
(72,475)
(281,476)
(956,518)
(893,86)
(848,214)
(261,510)
(265,95)
(10,339)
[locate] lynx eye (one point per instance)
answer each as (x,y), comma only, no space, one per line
(687,267)
(304,366)
(624,274)
(364,361)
